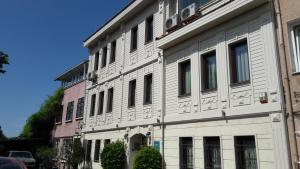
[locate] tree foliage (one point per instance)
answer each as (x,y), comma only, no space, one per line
(147,158)
(75,154)
(113,156)
(45,155)
(2,136)
(3,61)
(40,124)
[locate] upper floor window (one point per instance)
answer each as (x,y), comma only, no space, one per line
(93,101)
(59,115)
(148,89)
(101,102)
(186,152)
(239,62)
(134,38)
(212,153)
(185,78)
(245,152)
(110,99)
(80,108)
(113,52)
(70,109)
(131,94)
(149,29)
(96,63)
(185,3)
(104,56)
(209,71)
(296,47)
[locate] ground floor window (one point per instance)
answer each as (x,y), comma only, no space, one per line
(245,152)
(97,151)
(88,150)
(212,153)
(186,152)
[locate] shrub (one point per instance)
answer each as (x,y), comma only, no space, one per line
(113,156)
(75,154)
(148,158)
(45,155)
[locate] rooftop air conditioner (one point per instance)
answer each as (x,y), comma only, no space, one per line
(189,12)
(172,22)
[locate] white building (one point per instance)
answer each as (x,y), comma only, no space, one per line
(204,88)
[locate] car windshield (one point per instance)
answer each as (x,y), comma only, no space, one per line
(21,154)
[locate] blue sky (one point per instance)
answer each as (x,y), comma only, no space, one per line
(43,38)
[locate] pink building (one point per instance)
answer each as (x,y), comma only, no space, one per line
(69,121)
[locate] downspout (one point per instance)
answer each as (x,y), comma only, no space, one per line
(85,114)
(285,82)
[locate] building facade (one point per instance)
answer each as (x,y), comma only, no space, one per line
(198,80)
(288,29)
(69,121)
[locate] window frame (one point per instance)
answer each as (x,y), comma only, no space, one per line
(110,100)
(80,108)
(113,51)
(233,75)
(131,95)
(97,151)
(104,57)
(207,147)
(70,111)
(93,105)
(149,38)
(146,85)
(59,116)
(134,38)
(96,61)
(237,148)
(101,103)
(204,76)
(181,153)
(293,48)
(182,93)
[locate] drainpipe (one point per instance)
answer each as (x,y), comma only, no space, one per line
(285,82)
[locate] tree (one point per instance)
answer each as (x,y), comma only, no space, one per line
(40,124)
(2,136)
(3,61)
(45,156)
(75,154)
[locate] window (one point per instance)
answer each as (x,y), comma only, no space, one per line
(134,38)
(80,108)
(59,115)
(88,150)
(110,99)
(104,55)
(172,7)
(97,151)
(70,109)
(212,153)
(148,89)
(296,47)
(96,64)
(106,142)
(101,102)
(245,152)
(185,3)
(131,97)
(209,71)
(66,146)
(113,52)
(186,152)
(149,29)
(239,61)
(92,110)
(185,78)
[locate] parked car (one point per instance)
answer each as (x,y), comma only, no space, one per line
(24,156)
(11,163)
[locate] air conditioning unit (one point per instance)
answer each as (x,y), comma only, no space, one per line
(189,12)
(172,22)
(92,76)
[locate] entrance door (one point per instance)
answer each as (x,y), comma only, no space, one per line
(136,143)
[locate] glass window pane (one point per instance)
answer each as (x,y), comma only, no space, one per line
(101,100)
(185,78)
(209,71)
(245,152)
(212,153)
(186,153)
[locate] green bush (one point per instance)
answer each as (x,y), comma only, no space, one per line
(75,154)
(113,156)
(45,155)
(148,158)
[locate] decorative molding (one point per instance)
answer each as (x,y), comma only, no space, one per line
(241,98)
(210,103)
(147,113)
